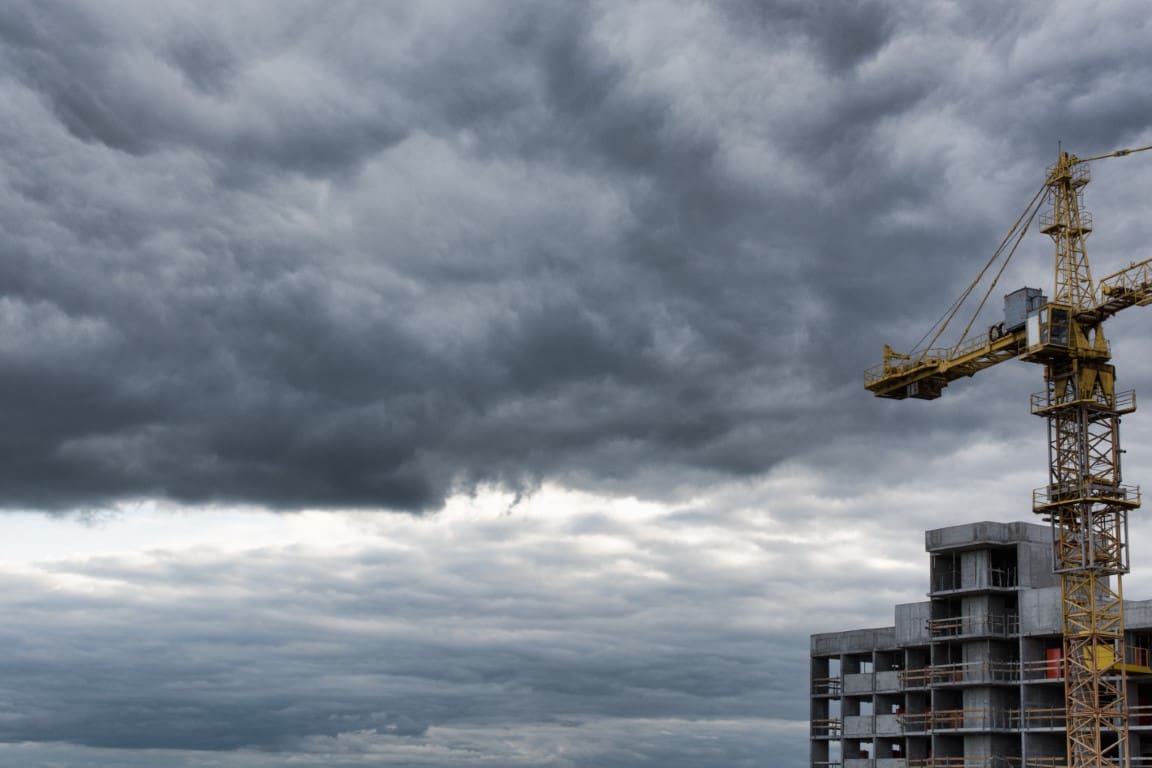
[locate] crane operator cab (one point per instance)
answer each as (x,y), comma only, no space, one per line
(1048,327)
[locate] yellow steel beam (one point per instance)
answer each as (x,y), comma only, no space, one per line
(922,376)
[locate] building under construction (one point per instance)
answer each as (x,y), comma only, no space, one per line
(973,677)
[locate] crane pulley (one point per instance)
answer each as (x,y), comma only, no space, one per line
(1085,500)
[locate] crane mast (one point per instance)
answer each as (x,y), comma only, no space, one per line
(1085,500)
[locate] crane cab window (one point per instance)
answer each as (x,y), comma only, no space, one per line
(1057,331)
(1049,326)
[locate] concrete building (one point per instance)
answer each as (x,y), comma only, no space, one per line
(971,677)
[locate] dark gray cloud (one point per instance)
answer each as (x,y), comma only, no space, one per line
(844,35)
(306,254)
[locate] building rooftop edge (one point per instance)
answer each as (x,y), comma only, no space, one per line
(983,533)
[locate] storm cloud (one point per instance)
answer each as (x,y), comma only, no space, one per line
(618,266)
(300,254)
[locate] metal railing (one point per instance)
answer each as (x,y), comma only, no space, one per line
(958,720)
(1131,285)
(1140,716)
(1128,495)
(999,761)
(931,356)
(978,625)
(981,720)
(1034,718)
(829,726)
(826,686)
(963,762)
(878,372)
(1120,401)
(961,672)
(994,578)
(1050,219)
(1043,669)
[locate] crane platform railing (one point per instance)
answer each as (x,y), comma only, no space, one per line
(942,363)
(1050,222)
(1131,286)
(1121,402)
(1116,494)
(926,357)
(929,358)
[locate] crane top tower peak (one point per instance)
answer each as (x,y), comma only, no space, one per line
(1068,224)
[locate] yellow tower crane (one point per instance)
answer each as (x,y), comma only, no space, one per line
(1084,501)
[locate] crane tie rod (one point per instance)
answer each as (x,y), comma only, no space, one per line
(1034,207)
(1117,153)
(1017,231)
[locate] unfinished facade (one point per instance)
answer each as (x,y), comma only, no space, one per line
(972,677)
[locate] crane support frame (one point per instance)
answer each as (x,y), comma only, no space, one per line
(1085,501)
(1087,507)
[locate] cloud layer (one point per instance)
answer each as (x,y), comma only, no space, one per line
(303,254)
(567,633)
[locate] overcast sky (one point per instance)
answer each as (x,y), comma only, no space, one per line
(458,383)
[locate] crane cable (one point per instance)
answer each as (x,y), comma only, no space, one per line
(1016,231)
(1019,237)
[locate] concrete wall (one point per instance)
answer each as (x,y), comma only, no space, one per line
(974,569)
(1138,614)
(887,682)
(975,535)
(1040,611)
(888,725)
(857,685)
(854,641)
(859,726)
(912,623)
(1034,563)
